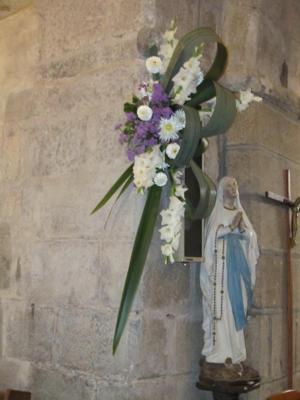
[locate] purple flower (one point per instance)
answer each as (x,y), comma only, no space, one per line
(130,154)
(123,138)
(158,94)
(118,126)
(166,112)
(131,116)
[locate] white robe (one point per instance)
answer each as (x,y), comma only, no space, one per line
(229,343)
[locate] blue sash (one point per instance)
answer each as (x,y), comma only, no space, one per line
(237,270)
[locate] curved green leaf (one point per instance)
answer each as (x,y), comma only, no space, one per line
(191,137)
(126,174)
(138,258)
(185,49)
(207,194)
(205,92)
(223,115)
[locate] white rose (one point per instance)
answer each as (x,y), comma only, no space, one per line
(172,150)
(144,113)
(154,65)
(160,179)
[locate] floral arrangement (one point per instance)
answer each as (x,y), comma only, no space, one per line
(166,127)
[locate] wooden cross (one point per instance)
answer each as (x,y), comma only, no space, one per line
(293,209)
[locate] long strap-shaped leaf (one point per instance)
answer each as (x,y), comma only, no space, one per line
(184,51)
(223,115)
(205,92)
(126,174)
(138,258)
(124,188)
(190,137)
(207,193)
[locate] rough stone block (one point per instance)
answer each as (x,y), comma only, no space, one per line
(165,287)
(62,272)
(60,385)
(84,342)
(28,331)
(92,56)
(82,25)
(297,341)
(15,374)
(280,134)
(270,288)
(12,151)
(247,162)
(166,10)
(56,147)
(59,208)
(162,388)
(150,343)
(94,92)
(19,57)
(188,345)
(114,260)
(5,256)
(258,344)
(296,280)
(107,390)
(279,346)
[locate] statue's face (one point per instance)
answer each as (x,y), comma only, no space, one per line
(230,189)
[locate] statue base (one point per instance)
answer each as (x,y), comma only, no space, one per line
(227,381)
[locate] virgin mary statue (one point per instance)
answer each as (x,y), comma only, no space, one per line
(227,276)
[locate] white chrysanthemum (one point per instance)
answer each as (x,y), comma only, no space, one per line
(172,150)
(144,113)
(154,65)
(160,179)
(168,129)
(180,119)
(246,97)
(145,166)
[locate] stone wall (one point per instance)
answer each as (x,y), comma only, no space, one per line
(65,70)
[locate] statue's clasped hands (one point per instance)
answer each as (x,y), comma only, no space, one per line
(238,222)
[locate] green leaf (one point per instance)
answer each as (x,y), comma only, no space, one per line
(207,193)
(124,188)
(126,174)
(138,258)
(223,115)
(205,92)
(185,49)
(190,140)
(129,107)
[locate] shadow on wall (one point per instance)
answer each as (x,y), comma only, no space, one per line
(8,7)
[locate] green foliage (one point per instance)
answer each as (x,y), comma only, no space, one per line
(185,50)
(138,258)
(123,178)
